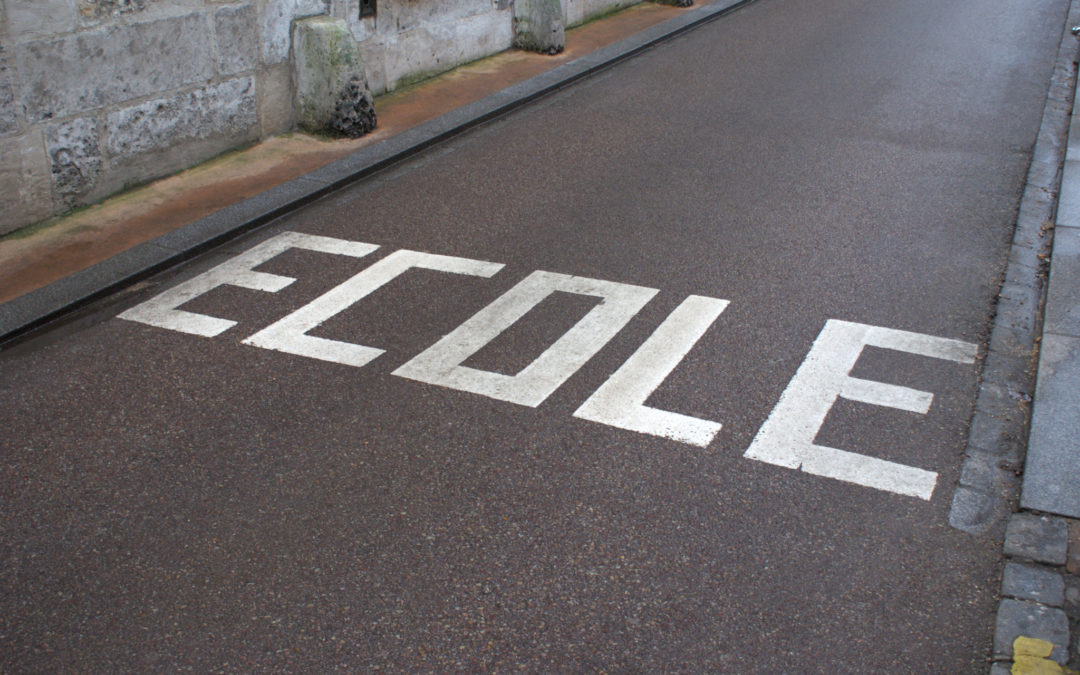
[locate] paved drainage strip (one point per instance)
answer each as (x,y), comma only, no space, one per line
(37,309)
(1040,590)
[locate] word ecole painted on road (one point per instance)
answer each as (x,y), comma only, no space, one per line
(785,439)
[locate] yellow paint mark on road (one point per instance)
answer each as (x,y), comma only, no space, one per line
(1030,658)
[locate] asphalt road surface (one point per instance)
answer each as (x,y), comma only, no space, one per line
(676,378)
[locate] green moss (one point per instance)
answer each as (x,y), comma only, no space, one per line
(409,81)
(31,230)
(416,78)
(128,191)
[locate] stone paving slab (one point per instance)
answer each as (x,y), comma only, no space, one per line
(1063,298)
(1069,201)
(1052,472)
(1052,477)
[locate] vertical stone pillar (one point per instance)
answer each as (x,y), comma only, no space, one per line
(332,95)
(538,26)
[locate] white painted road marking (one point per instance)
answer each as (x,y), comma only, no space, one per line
(441,363)
(161,310)
(620,401)
(787,437)
(289,334)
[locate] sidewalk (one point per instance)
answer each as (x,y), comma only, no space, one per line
(49,270)
(1038,620)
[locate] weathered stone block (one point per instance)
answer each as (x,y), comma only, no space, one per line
(363,28)
(538,26)
(278,17)
(75,157)
(996,436)
(401,17)
(984,472)
(579,11)
(226,109)
(93,11)
(976,512)
(1016,618)
(98,68)
(9,121)
(331,88)
(237,39)
(439,47)
(277,112)
(1039,538)
(1016,372)
(25,188)
(997,399)
(374,55)
(9,124)
(1029,583)
(30,19)
(1008,339)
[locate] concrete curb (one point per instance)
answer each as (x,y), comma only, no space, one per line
(989,483)
(39,308)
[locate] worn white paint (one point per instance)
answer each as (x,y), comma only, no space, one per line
(787,437)
(290,333)
(161,310)
(441,363)
(620,401)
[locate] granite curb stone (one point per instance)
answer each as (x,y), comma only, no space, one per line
(1031,583)
(1039,538)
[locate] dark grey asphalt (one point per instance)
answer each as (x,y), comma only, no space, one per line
(171,501)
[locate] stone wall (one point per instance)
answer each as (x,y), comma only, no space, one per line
(579,11)
(410,39)
(99,95)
